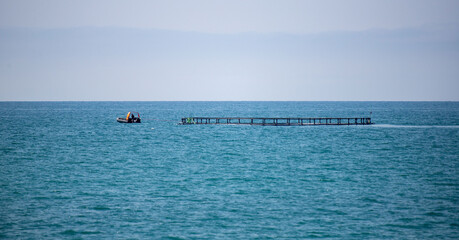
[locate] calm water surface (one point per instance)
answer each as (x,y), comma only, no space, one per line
(68,170)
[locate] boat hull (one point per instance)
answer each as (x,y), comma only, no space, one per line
(130,120)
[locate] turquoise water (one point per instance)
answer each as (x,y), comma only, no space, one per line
(68,170)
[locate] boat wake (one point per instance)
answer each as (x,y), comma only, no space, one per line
(414,126)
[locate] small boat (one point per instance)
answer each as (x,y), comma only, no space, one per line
(130,118)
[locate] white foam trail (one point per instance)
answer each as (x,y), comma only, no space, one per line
(414,126)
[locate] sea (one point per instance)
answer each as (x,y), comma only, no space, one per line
(69,170)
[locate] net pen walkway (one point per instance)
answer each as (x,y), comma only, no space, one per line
(276,121)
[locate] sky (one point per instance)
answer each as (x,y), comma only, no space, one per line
(358,50)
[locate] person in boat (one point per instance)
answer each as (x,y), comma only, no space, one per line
(129,117)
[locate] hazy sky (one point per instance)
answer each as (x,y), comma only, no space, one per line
(229,50)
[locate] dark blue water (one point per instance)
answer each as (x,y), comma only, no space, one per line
(68,170)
